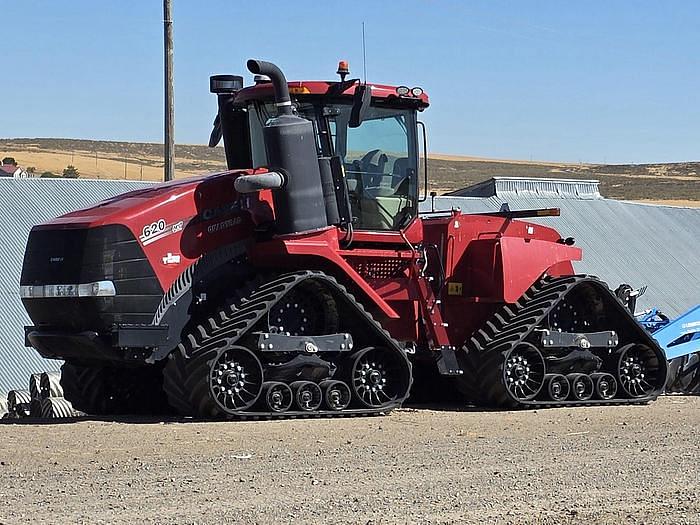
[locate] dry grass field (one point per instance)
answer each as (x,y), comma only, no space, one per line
(677,183)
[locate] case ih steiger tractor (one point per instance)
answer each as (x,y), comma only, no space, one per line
(304,281)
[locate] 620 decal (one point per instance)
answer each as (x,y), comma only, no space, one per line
(153,229)
(158,230)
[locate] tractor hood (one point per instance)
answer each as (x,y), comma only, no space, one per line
(173,223)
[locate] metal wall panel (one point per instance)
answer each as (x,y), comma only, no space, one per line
(24,203)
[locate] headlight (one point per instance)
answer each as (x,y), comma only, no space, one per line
(96,289)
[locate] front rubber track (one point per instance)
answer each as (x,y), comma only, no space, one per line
(186,373)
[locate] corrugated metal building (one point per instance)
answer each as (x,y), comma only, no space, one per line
(24,203)
(640,244)
(622,242)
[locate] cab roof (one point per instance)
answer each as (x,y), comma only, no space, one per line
(263,90)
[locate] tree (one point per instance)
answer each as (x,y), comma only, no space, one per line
(31,170)
(71,172)
(49,175)
(9,161)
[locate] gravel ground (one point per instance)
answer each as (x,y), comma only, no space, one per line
(585,465)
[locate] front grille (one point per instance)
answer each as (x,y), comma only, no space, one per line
(70,256)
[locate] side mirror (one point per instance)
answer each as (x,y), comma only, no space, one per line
(360,103)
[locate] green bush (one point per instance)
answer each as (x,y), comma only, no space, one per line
(71,172)
(49,175)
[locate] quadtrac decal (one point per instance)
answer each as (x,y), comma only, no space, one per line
(224,225)
(159,230)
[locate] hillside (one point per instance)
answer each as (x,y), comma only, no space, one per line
(677,183)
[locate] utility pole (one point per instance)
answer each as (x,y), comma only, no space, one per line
(169,104)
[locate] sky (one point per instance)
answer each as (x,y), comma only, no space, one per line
(595,81)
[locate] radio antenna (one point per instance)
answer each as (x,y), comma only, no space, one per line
(364,53)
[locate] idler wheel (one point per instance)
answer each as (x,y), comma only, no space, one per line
(278,396)
(523,371)
(581,386)
(307,395)
(379,376)
(336,394)
(639,370)
(235,379)
(558,387)
(604,385)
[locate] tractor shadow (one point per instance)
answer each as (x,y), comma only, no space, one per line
(156,419)
(125,419)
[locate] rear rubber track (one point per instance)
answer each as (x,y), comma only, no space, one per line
(484,353)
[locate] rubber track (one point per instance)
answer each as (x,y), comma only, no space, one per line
(188,392)
(510,326)
(84,388)
(91,390)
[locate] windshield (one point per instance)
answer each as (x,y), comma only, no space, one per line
(379,157)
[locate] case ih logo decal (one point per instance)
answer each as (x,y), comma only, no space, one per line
(158,230)
(171,259)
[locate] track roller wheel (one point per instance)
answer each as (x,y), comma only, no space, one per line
(307,395)
(236,379)
(278,396)
(379,376)
(604,385)
(523,372)
(336,394)
(639,370)
(558,387)
(581,386)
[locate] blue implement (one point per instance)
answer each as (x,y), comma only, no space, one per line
(681,336)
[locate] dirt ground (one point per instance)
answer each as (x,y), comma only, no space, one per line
(585,465)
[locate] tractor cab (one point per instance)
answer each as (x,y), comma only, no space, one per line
(370,130)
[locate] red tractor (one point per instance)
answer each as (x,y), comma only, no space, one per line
(304,280)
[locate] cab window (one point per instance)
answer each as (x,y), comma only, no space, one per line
(379,157)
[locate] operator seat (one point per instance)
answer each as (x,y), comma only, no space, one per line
(382,204)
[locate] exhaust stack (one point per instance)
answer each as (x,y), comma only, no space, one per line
(279,83)
(290,144)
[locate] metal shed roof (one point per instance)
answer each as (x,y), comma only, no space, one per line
(24,203)
(523,187)
(640,244)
